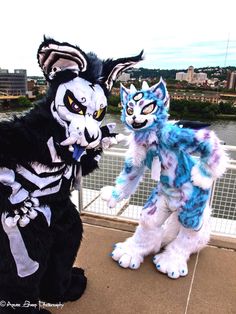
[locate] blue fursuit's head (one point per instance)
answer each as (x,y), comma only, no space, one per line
(146,109)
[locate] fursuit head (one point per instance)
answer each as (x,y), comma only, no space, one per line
(43,155)
(174,221)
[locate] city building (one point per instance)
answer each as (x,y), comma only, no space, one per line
(13,83)
(124,77)
(36,85)
(191,77)
(231,80)
(211,97)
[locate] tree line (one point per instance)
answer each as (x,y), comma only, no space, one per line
(185,108)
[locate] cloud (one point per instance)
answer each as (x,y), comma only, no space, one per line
(173,34)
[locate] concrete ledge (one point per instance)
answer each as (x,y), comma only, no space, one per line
(221,241)
(112,222)
(124,224)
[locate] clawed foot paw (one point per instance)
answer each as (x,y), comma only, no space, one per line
(126,255)
(172,265)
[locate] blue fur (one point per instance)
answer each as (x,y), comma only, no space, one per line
(191,214)
(149,157)
(165,180)
(183,170)
(174,147)
(115,195)
(128,166)
(152,198)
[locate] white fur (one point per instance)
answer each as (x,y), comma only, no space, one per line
(163,230)
(200,180)
(106,195)
(137,153)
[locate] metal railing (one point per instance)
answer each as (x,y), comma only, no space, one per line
(223,197)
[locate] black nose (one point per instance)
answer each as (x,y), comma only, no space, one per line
(134,117)
(89,138)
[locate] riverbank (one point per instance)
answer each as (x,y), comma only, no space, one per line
(174,115)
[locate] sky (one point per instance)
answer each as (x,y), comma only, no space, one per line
(173,34)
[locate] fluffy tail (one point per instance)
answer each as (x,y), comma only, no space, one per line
(214,158)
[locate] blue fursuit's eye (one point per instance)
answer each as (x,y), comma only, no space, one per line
(149,108)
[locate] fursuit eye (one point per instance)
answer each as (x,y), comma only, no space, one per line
(73,104)
(130,111)
(99,114)
(148,108)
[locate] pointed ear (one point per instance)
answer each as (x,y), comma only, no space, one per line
(160,91)
(132,89)
(145,85)
(54,57)
(113,68)
(124,92)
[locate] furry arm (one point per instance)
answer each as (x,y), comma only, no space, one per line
(128,180)
(213,160)
(24,139)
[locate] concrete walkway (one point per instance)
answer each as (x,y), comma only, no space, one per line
(209,288)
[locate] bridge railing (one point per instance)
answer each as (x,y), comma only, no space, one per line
(223,197)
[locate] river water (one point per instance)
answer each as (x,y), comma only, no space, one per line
(225,129)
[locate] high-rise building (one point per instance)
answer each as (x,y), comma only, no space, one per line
(231,80)
(13,83)
(191,76)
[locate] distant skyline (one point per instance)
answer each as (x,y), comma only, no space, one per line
(173,34)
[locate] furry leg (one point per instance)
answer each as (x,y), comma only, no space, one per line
(147,237)
(24,290)
(171,229)
(173,261)
(61,282)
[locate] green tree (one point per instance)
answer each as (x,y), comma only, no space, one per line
(114,100)
(24,102)
(227,108)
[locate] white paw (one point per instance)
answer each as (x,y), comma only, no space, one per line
(171,264)
(106,195)
(126,256)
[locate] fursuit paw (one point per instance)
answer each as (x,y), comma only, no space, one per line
(106,195)
(171,264)
(126,255)
(77,285)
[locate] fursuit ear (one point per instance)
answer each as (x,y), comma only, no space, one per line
(161,92)
(54,57)
(124,92)
(113,68)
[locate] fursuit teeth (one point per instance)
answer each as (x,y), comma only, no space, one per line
(54,57)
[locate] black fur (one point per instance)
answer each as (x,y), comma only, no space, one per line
(23,142)
(196,125)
